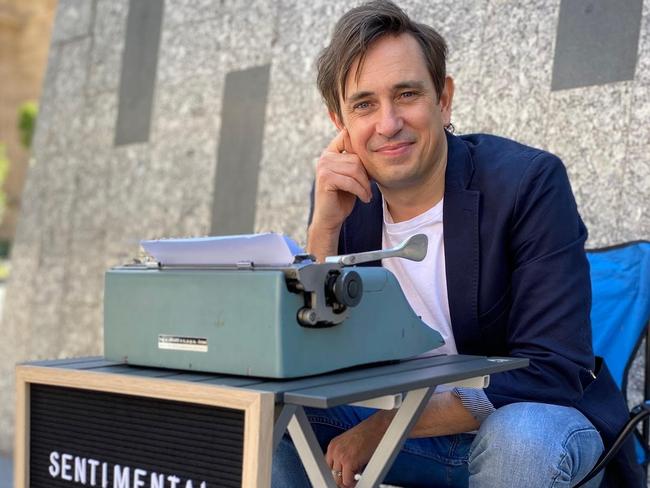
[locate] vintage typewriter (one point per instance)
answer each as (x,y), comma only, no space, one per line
(288,321)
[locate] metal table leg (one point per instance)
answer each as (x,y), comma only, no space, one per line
(281,423)
(392,442)
(309,450)
(293,418)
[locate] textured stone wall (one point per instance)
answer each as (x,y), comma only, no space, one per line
(90,197)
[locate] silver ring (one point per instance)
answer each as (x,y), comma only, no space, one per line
(337,474)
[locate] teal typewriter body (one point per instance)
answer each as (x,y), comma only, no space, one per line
(300,320)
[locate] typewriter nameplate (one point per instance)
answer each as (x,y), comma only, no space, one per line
(182,343)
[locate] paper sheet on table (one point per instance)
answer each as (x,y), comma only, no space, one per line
(269,249)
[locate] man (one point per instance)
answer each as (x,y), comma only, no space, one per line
(505,272)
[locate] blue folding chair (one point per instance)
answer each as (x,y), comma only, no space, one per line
(620,317)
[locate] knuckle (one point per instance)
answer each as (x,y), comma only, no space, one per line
(354,158)
(321,163)
(325,157)
(323,176)
(351,159)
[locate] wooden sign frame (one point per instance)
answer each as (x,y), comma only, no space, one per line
(258,408)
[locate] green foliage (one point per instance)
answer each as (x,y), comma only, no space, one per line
(4,271)
(27,122)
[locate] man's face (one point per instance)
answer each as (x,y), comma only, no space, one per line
(393,115)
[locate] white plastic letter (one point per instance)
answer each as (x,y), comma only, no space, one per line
(188,484)
(137,475)
(174,480)
(93,471)
(66,467)
(157,480)
(80,465)
(54,468)
(104,475)
(121,476)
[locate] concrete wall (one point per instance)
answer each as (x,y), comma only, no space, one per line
(107,175)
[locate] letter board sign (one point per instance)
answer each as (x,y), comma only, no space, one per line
(74,436)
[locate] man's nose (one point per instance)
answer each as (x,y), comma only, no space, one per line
(390,122)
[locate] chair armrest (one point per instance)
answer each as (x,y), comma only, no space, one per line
(637,414)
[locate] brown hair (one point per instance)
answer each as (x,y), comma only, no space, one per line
(353,35)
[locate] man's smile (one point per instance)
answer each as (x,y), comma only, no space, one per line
(394,149)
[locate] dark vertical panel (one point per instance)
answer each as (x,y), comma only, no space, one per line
(138,77)
(597,42)
(240,151)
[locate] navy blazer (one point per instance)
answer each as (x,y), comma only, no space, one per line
(517,279)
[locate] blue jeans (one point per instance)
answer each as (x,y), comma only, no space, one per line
(520,445)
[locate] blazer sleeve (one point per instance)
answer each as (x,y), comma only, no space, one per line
(548,321)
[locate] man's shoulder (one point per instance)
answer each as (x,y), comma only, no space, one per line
(489,149)
(498,159)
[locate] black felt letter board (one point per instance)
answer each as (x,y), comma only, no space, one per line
(80,437)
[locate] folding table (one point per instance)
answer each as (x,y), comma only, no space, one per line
(84,417)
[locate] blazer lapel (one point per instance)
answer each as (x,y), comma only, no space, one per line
(461,240)
(362,231)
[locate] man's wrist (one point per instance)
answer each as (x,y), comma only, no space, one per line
(322,241)
(379,422)
(325,229)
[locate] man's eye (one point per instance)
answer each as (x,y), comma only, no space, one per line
(407,94)
(361,106)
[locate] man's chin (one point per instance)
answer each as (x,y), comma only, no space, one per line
(391,173)
(395,182)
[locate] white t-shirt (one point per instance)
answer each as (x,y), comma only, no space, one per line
(424,283)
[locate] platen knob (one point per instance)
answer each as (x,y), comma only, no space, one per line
(348,288)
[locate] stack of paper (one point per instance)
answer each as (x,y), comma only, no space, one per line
(269,249)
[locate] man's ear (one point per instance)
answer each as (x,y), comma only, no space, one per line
(336,121)
(446,98)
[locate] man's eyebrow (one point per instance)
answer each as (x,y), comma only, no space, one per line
(398,86)
(358,96)
(409,84)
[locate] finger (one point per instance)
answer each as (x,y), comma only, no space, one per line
(346,165)
(350,184)
(335,466)
(347,143)
(337,144)
(348,476)
(329,158)
(338,182)
(351,167)
(337,474)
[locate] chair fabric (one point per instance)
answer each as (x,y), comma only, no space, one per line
(620,313)
(620,280)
